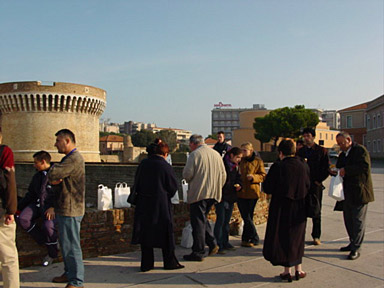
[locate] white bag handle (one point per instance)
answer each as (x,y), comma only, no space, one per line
(101,186)
(118,184)
(183,182)
(124,185)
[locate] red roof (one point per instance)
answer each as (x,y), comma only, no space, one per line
(356,107)
(210,141)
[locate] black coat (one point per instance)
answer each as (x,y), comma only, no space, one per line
(288,181)
(155,185)
(233,177)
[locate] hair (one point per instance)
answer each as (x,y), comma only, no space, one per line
(343,134)
(220,132)
(235,151)
(196,139)
(66,133)
(309,130)
(287,147)
(300,141)
(161,149)
(247,145)
(42,155)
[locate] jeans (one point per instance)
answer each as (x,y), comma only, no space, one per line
(201,229)
(69,231)
(247,208)
(223,216)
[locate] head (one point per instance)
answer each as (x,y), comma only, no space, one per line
(344,140)
(299,144)
(235,155)
(286,148)
(162,149)
(309,136)
(65,141)
(41,160)
(221,136)
(195,141)
(247,149)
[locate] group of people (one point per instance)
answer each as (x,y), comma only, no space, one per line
(217,177)
(224,175)
(56,194)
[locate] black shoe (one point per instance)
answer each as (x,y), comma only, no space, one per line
(286,277)
(145,269)
(345,249)
(229,247)
(174,267)
(193,257)
(213,250)
(353,255)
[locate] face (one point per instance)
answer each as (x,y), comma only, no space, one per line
(235,158)
(299,146)
(39,165)
(246,152)
(344,143)
(308,138)
(192,146)
(61,144)
(220,137)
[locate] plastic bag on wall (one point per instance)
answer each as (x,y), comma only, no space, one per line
(175,199)
(104,198)
(122,192)
(184,185)
(186,237)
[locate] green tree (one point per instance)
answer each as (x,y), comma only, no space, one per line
(213,136)
(169,137)
(284,122)
(143,138)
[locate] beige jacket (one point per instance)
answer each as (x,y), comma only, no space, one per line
(205,174)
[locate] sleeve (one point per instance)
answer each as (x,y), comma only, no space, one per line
(7,161)
(170,182)
(324,172)
(8,165)
(271,180)
(188,171)
(360,165)
(61,170)
(259,173)
(30,195)
(47,188)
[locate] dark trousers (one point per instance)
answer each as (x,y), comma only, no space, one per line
(354,220)
(223,216)
(201,229)
(316,221)
(247,208)
(47,234)
(148,260)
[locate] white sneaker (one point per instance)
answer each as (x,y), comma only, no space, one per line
(47,261)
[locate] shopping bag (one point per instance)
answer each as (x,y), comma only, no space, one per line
(104,198)
(336,188)
(175,199)
(122,192)
(184,185)
(186,237)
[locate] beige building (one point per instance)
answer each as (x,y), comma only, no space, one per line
(325,136)
(111,144)
(374,119)
(32,112)
(353,122)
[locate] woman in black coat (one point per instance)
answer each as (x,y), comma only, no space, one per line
(155,185)
(288,181)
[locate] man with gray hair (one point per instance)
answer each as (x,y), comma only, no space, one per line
(205,174)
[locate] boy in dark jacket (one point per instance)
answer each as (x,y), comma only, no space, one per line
(38,202)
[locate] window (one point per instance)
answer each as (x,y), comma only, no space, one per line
(374,122)
(321,142)
(378,145)
(349,122)
(326,136)
(331,136)
(374,146)
(368,122)
(379,121)
(321,136)
(369,146)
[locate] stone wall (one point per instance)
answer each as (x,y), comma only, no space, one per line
(108,232)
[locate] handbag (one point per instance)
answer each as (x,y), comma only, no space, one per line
(175,199)
(336,188)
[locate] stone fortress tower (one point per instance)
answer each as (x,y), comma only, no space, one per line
(32,112)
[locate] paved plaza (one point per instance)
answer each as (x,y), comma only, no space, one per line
(246,267)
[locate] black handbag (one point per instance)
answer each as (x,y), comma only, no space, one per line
(132,198)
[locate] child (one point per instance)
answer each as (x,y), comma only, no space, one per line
(38,202)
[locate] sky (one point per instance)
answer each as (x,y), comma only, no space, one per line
(169,62)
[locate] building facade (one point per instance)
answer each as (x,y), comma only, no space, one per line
(353,122)
(32,112)
(374,120)
(332,118)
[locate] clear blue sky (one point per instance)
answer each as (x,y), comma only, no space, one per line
(169,62)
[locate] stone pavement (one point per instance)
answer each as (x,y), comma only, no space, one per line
(246,267)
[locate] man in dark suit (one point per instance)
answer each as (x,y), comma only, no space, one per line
(355,168)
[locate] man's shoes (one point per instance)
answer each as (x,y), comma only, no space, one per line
(71,286)
(47,260)
(316,241)
(346,248)
(230,247)
(221,251)
(353,255)
(145,269)
(174,267)
(247,244)
(60,279)
(213,250)
(193,257)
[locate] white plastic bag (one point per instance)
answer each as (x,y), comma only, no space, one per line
(104,198)
(122,192)
(184,185)
(175,199)
(186,237)
(336,188)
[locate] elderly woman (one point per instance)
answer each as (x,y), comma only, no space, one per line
(288,182)
(155,185)
(252,174)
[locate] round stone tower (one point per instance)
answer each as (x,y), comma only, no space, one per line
(32,112)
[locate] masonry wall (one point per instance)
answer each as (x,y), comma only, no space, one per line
(109,232)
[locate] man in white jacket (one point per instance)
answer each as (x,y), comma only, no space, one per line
(205,174)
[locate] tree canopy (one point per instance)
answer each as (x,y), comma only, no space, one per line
(284,122)
(143,138)
(169,137)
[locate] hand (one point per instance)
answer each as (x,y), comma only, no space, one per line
(50,213)
(332,172)
(57,182)
(249,177)
(237,187)
(9,219)
(342,172)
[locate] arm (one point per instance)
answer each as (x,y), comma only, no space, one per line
(271,180)
(324,166)
(360,164)
(170,182)
(59,171)
(188,171)
(259,174)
